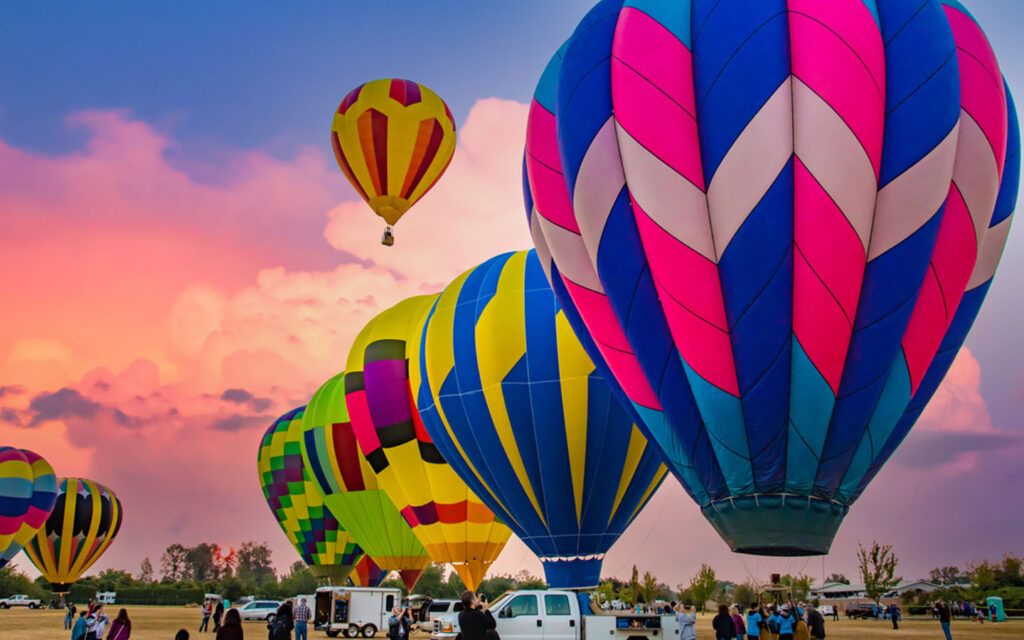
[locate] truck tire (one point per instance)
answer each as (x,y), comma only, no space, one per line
(270,618)
(4,605)
(32,605)
(352,631)
(368,631)
(332,634)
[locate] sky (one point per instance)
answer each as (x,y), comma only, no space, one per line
(182,261)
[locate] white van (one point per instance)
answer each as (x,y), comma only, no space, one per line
(106,597)
(354,611)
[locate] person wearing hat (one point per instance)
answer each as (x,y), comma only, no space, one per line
(786,622)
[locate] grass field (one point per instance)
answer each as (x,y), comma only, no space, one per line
(161,623)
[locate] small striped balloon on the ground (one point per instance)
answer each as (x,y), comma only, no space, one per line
(777,220)
(84,522)
(453,525)
(350,488)
(393,139)
(517,408)
(293,498)
(28,491)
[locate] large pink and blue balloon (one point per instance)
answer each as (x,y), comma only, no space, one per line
(777,220)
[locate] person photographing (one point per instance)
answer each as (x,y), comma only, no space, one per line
(398,623)
(475,619)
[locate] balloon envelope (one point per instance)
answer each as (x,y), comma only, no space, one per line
(28,491)
(777,221)
(517,408)
(84,521)
(393,139)
(328,550)
(366,573)
(453,525)
(349,486)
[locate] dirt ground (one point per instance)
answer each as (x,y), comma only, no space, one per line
(161,623)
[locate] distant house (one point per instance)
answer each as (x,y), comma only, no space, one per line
(840,591)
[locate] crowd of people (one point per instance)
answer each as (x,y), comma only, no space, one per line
(761,620)
(93,622)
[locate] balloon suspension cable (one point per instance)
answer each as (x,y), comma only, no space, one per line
(388,239)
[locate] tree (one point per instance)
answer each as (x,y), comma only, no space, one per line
(201,563)
(983,575)
(432,584)
(299,582)
(146,571)
(838,578)
(606,591)
(944,575)
(254,563)
(1009,573)
(703,585)
(649,587)
(634,586)
(232,589)
(799,585)
(877,569)
(113,580)
(172,563)
(745,595)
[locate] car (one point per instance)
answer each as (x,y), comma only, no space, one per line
(20,600)
(259,610)
(436,609)
(861,610)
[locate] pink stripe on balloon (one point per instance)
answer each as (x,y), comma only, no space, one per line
(956,252)
(9,454)
(652,92)
(692,300)
(820,58)
(950,269)
(9,525)
(362,422)
(827,241)
(819,323)
(982,93)
(36,517)
(544,169)
(597,313)
(686,276)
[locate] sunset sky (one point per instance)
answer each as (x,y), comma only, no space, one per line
(181,261)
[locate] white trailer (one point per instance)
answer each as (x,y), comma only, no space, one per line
(354,611)
(556,615)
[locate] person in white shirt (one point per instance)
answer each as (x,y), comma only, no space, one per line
(687,619)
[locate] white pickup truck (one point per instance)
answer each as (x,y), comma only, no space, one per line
(556,615)
(19,600)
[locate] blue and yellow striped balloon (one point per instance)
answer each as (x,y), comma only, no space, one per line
(516,407)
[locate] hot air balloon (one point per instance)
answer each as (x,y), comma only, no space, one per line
(777,221)
(517,408)
(366,573)
(84,521)
(297,505)
(393,140)
(28,491)
(350,489)
(453,525)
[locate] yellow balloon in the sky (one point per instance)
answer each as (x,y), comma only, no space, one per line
(393,139)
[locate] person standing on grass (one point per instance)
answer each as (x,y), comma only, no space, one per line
(687,619)
(121,627)
(723,624)
(301,615)
(475,619)
(78,629)
(218,613)
(945,615)
(232,629)
(207,612)
(69,616)
(815,624)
